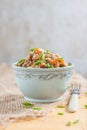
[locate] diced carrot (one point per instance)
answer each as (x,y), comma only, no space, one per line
(37,51)
(55,63)
(62,63)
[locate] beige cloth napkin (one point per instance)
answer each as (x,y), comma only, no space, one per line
(11,98)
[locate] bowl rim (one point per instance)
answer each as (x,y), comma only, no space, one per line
(42,69)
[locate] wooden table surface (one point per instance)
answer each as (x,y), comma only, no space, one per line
(55,121)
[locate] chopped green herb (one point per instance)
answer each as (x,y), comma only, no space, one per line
(60,113)
(47,52)
(38,62)
(49,66)
(85,92)
(60,59)
(21,61)
(27,104)
(76,121)
(60,106)
(69,123)
(36,108)
(69,64)
(85,106)
(44,60)
(41,56)
(31,50)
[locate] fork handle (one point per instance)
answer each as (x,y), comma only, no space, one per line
(73,103)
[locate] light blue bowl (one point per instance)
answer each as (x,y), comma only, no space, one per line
(43,84)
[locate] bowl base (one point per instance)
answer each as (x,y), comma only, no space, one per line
(43,101)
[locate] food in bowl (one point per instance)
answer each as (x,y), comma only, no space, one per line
(40,58)
(40,79)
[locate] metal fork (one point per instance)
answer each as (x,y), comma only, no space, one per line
(73,102)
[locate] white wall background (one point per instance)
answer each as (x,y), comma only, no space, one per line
(58,25)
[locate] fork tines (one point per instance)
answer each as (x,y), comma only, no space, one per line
(75,88)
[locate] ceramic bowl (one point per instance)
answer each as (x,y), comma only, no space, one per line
(43,84)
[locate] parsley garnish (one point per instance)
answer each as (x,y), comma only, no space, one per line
(49,66)
(31,50)
(69,64)
(38,62)
(85,106)
(60,113)
(47,52)
(21,61)
(60,59)
(76,121)
(41,56)
(27,104)
(60,106)
(36,108)
(69,123)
